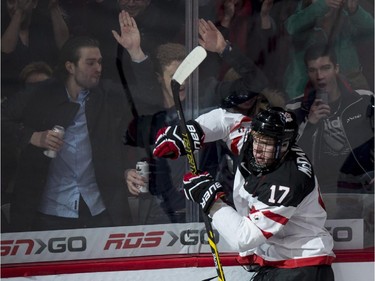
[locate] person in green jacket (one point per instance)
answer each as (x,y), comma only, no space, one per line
(339,23)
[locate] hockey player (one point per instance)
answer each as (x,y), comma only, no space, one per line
(277,225)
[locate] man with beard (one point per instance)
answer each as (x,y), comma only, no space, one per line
(83,185)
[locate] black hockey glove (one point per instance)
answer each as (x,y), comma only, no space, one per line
(169,141)
(202,189)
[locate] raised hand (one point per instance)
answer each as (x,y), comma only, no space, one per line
(210,37)
(130,37)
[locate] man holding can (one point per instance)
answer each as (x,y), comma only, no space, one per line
(83,185)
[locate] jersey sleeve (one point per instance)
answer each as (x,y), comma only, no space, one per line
(220,124)
(239,232)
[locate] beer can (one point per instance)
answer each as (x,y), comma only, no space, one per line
(143,170)
(61,131)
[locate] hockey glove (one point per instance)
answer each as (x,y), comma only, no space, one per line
(202,189)
(169,141)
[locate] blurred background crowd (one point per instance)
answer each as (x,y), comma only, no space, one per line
(256,58)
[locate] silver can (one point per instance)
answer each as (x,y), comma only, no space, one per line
(61,131)
(322,95)
(142,169)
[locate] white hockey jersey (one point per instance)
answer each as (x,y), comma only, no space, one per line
(280,216)
(220,124)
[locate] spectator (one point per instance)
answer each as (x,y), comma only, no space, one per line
(31,31)
(322,122)
(145,81)
(73,190)
(32,73)
(252,80)
(211,91)
(152,94)
(35,72)
(168,58)
(337,23)
(244,22)
(165,179)
(337,133)
(154,24)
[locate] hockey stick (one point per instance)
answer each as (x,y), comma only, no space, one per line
(188,65)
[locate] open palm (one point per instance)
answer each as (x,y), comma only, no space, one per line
(130,37)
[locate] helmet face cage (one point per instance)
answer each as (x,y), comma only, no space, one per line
(265,152)
(273,133)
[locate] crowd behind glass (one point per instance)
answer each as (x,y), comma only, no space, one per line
(140,48)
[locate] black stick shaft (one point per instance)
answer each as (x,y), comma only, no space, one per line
(194,169)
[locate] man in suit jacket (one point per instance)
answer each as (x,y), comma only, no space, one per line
(83,185)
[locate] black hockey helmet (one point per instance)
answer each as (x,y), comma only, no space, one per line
(277,124)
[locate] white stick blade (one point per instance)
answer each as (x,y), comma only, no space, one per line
(189,64)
